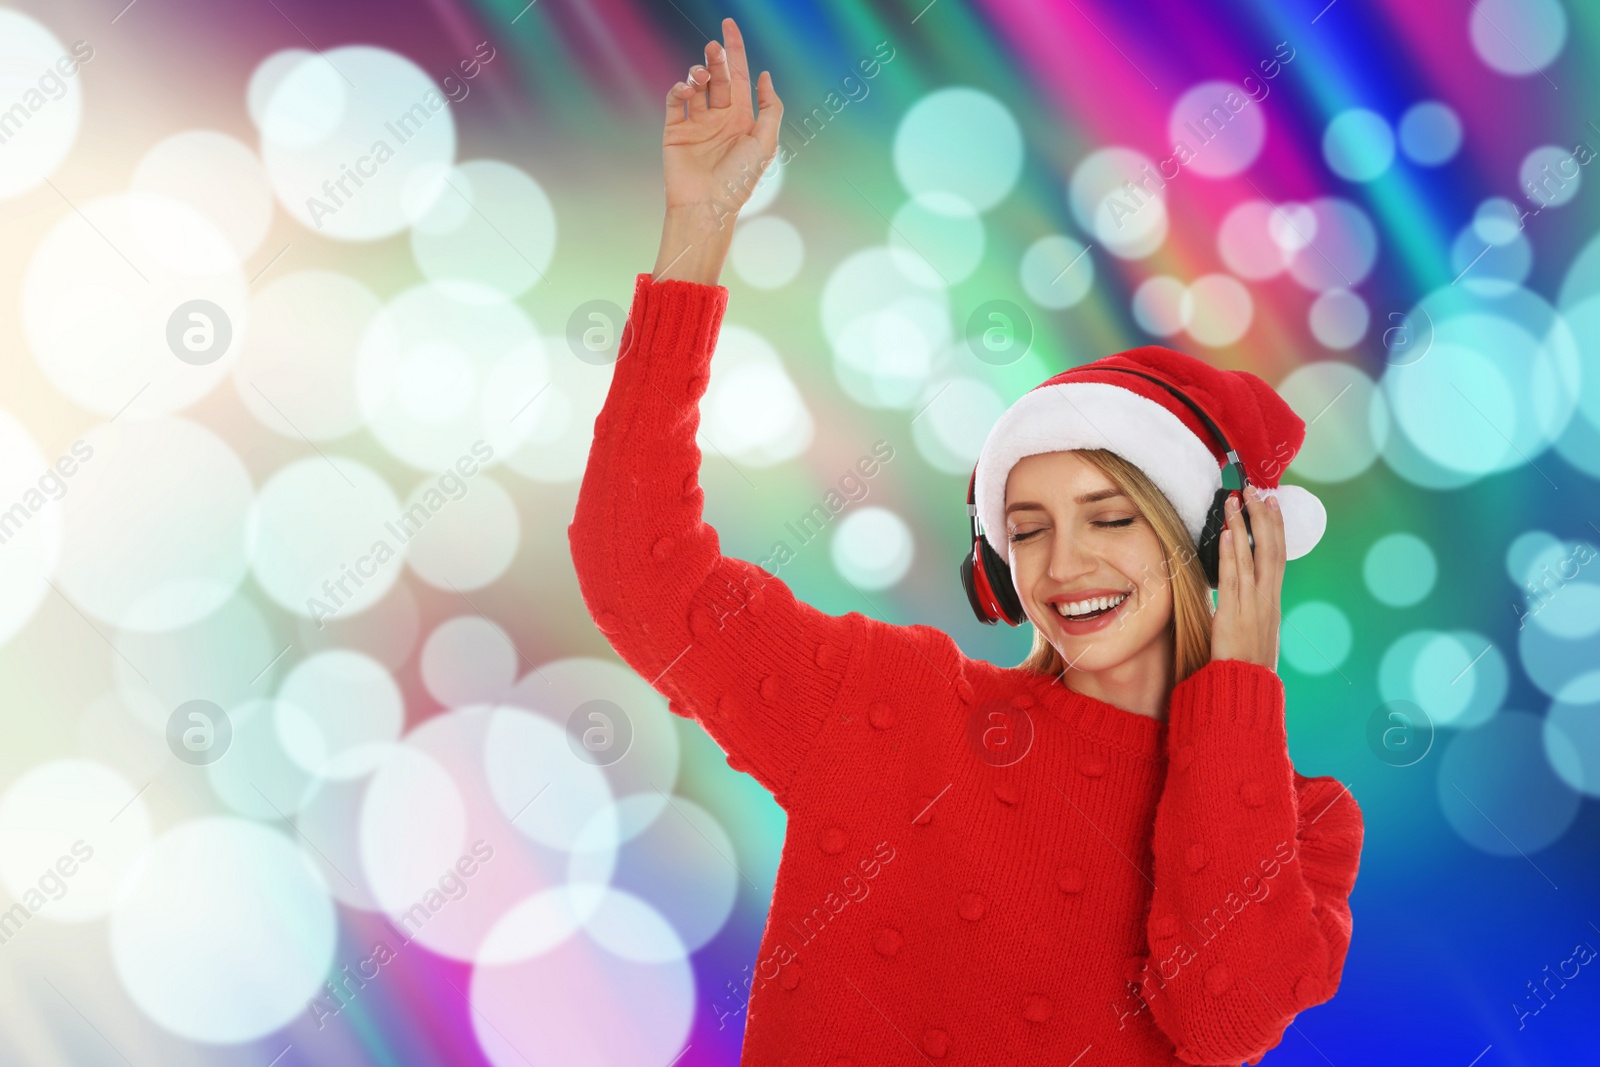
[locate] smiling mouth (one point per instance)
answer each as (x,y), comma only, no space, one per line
(1101,617)
(1102,606)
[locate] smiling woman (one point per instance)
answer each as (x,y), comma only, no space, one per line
(1163,744)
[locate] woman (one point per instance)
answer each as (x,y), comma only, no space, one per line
(1103,855)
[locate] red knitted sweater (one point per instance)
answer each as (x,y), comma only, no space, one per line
(1129,892)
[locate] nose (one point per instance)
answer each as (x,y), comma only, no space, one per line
(1068,559)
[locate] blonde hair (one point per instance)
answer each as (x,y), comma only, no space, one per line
(1191,593)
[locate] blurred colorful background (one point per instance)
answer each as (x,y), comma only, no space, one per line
(309,308)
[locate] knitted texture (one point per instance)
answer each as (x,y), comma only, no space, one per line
(981,865)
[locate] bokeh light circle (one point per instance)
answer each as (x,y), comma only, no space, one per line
(1316,637)
(216,175)
(153,530)
(1056,272)
(872,547)
(955,421)
(767,251)
(34,151)
(493,225)
(337,712)
(1337,250)
(549,1003)
(424,371)
(1347,419)
(1339,318)
(1358,145)
(70,830)
(937,239)
(752,411)
(1219,122)
(1247,243)
(101,288)
(224,932)
(468,660)
(1517,37)
(1400,570)
(296,372)
(1572,744)
(1458,678)
(1497,792)
(1221,310)
(959,140)
(1130,225)
(554,692)
(1551,175)
(1430,133)
(342,563)
(1162,305)
(468,541)
(357,140)
(32,525)
(229,657)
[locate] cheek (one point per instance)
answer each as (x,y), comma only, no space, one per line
(1144,565)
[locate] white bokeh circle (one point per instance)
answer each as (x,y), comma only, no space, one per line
(465,541)
(296,373)
(70,830)
(338,711)
(32,525)
(100,293)
(218,176)
(224,932)
(492,226)
(427,371)
(42,123)
(153,528)
(322,537)
(357,140)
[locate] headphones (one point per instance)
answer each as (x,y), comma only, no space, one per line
(987,577)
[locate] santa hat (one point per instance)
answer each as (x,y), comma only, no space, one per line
(1099,406)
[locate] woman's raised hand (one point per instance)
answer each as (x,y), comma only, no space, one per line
(1250,585)
(714,148)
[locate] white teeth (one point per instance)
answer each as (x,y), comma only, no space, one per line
(1084,607)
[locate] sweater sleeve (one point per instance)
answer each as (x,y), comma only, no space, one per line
(1250,919)
(725,641)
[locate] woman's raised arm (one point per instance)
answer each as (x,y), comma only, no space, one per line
(724,640)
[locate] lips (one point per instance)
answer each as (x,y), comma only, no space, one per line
(1079,627)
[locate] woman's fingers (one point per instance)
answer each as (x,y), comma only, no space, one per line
(738,62)
(769,117)
(717,62)
(1228,562)
(675,100)
(1244,563)
(1271,549)
(697,78)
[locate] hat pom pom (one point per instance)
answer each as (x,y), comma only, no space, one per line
(1304,518)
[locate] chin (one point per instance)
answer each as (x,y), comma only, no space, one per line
(1094,659)
(1097,651)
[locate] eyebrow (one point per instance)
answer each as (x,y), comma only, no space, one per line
(1086,498)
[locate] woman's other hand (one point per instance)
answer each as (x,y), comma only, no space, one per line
(1249,586)
(714,150)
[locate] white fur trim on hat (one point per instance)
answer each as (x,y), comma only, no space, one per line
(1071,415)
(1304,518)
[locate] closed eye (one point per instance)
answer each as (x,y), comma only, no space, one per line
(1113,524)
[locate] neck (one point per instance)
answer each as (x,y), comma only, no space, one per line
(1141,684)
